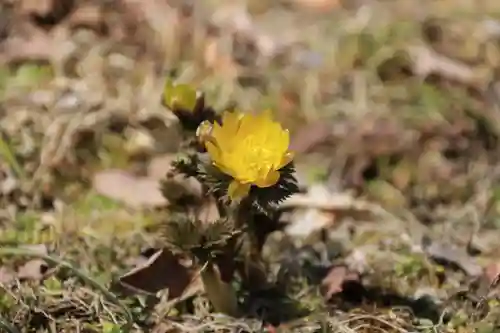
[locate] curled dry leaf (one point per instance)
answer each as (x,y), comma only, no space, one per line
(137,192)
(162,270)
(333,282)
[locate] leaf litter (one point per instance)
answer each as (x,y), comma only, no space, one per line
(394,154)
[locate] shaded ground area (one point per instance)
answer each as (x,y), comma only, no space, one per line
(393,108)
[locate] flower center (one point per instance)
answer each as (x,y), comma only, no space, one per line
(255,155)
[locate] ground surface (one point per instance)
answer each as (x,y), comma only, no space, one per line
(394,110)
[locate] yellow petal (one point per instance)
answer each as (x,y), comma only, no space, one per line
(213,151)
(266,115)
(231,121)
(271,179)
(237,190)
(287,158)
(284,141)
(222,136)
(263,121)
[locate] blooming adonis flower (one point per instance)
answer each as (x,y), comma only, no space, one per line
(249,148)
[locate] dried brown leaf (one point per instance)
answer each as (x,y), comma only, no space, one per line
(32,270)
(333,282)
(162,270)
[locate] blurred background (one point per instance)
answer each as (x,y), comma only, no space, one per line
(393,108)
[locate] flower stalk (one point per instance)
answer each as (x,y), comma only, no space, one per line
(243,162)
(221,294)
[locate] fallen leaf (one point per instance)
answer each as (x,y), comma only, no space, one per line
(137,192)
(6,275)
(32,270)
(449,254)
(335,279)
(162,270)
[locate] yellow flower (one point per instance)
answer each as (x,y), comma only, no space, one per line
(179,96)
(249,148)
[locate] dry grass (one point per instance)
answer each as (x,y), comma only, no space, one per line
(415,132)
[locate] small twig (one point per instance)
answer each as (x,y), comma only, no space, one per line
(79,273)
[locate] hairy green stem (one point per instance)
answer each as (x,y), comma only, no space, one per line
(221,294)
